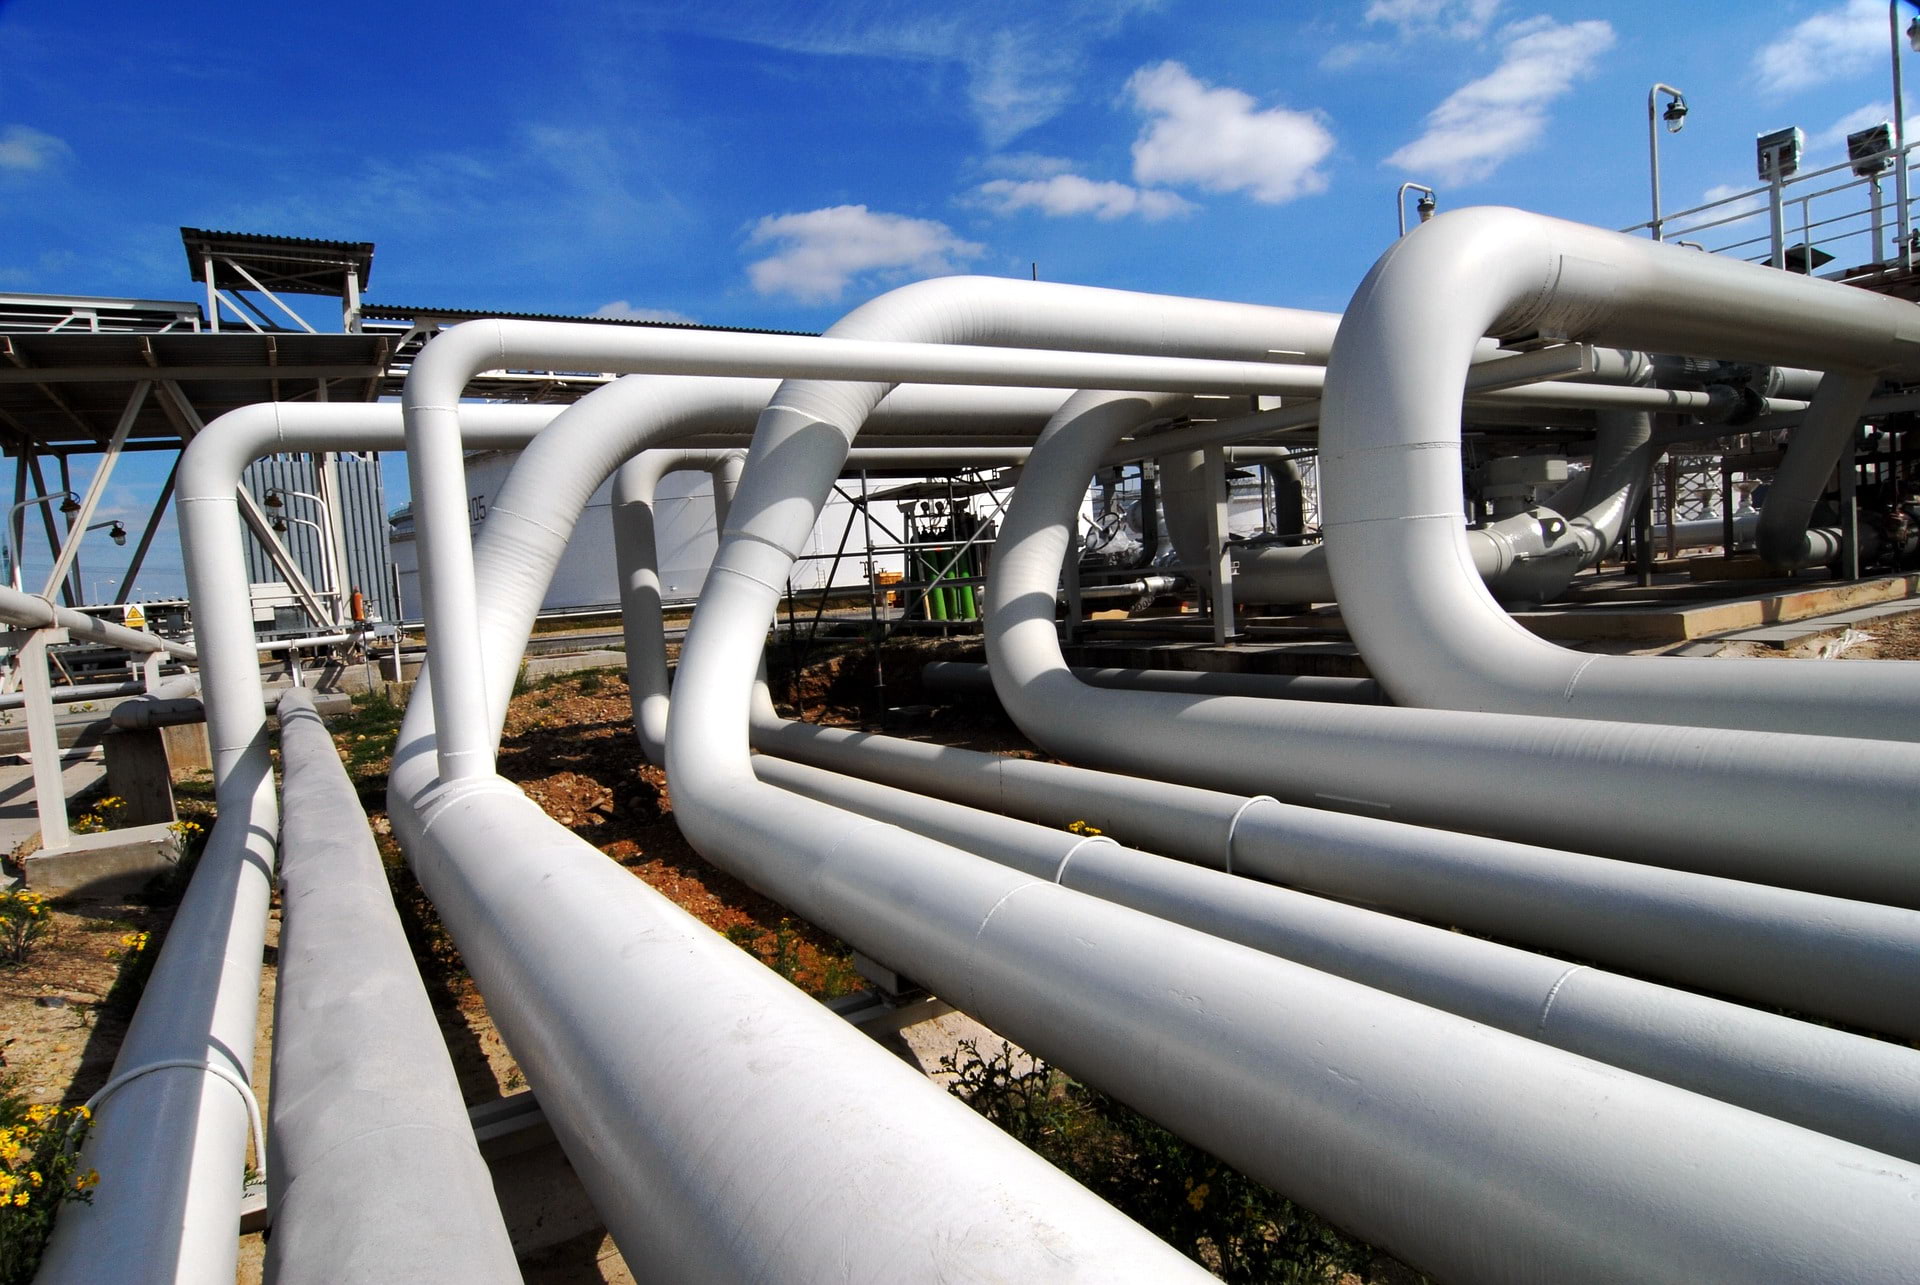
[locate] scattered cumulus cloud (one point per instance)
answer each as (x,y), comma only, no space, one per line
(1026,165)
(1835,135)
(25,149)
(1455,19)
(818,254)
(1021,62)
(1490,120)
(1354,53)
(1066,195)
(621,310)
(1831,45)
(1220,140)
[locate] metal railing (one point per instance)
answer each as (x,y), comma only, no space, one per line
(1805,222)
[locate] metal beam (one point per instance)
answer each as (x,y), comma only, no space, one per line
(122,374)
(69,553)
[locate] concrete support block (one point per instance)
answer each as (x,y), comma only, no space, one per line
(109,864)
(138,772)
(187,747)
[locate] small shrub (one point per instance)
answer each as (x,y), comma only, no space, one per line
(1214,1214)
(38,1174)
(24,919)
(104,815)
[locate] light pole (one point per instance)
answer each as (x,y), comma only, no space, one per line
(1900,126)
(276,499)
(1675,117)
(1424,207)
(279,522)
(69,505)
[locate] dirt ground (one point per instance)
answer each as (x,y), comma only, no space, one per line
(1888,638)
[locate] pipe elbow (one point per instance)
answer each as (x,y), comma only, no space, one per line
(211,465)
(450,359)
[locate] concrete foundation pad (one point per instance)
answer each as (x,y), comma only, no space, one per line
(106,865)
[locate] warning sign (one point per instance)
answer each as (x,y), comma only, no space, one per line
(134,618)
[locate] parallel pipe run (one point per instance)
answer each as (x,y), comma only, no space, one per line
(1847,1086)
(613,905)
(1848,961)
(1525,778)
(1051,969)
(176,1139)
(441,372)
(1390,462)
(956,676)
(1785,537)
(375,1173)
(37,613)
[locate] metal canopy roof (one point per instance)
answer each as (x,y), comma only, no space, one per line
(282,264)
(445,316)
(65,391)
(41,313)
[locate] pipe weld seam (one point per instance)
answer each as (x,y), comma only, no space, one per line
(1060,871)
(768,585)
(538,525)
(1455,515)
(1233,825)
(206,1065)
(428,406)
(734,532)
(1573,679)
(1359,452)
(974,950)
(1553,993)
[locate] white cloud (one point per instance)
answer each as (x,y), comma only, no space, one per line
(1021,61)
(1458,19)
(1353,53)
(1835,43)
(1490,120)
(1065,195)
(1751,202)
(23,147)
(1219,140)
(1026,165)
(819,253)
(621,310)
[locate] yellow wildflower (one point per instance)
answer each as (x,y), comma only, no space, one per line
(21,1199)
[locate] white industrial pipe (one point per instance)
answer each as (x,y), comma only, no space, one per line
(1390,465)
(984,942)
(174,1140)
(1784,537)
(35,612)
(1850,961)
(1694,792)
(1847,960)
(1864,1090)
(794,1061)
(441,372)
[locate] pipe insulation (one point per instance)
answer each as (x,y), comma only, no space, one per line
(1849,961)
(1302,1079)
(1847,1086)
(34,612)
(1845,960)
(176,1138)
(957,676)
(376,1175)
(1390,464)
(1785,537)
(1746,805)
(1033,1216)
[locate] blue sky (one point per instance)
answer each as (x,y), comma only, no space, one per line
(778,162)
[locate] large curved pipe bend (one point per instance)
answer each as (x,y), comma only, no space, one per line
(985,938)
(1785,538)
(440,374)
(179,1136)
(1742,804)
(1390,464)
